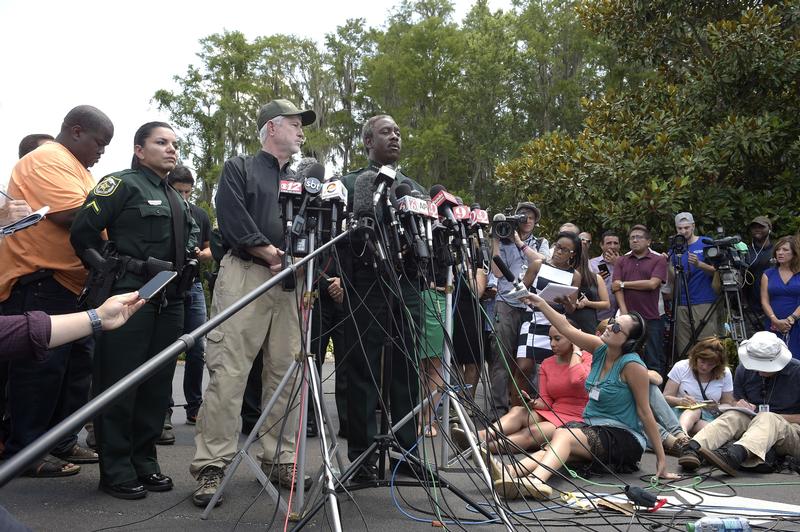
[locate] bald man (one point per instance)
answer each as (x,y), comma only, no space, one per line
(40,271)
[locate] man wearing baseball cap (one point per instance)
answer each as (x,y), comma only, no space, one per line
(518,252)
(759,253)
(249,217)
(767,414)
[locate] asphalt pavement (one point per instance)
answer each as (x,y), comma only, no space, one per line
(75,504)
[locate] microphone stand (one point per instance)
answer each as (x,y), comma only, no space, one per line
(310,373)
(385,440)
(42,445)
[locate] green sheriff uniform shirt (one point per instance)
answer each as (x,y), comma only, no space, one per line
(349,181)
(132,206)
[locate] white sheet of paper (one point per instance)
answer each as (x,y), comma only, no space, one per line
(553,291)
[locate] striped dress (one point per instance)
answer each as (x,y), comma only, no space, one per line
(534,335)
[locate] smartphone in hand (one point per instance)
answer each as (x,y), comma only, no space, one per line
(156,284)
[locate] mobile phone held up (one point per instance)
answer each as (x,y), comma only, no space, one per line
(156,284)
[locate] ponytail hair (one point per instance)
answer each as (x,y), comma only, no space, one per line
(142,134)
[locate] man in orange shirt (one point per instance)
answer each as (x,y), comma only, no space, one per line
(40,271)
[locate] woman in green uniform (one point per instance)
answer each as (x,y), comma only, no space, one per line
(136,208)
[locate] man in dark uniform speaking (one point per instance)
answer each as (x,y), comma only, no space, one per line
(249,216)
(382,141)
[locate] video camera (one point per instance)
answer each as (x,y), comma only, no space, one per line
(504,225)
(727,255)
(678,245)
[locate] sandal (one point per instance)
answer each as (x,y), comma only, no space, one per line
(50,467)
(79,455)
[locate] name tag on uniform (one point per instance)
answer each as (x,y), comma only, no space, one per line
(154,201)
(594,393)
(763,408)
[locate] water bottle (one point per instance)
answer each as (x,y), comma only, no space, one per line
(719,524)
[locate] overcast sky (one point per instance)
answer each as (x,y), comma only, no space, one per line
(115,55)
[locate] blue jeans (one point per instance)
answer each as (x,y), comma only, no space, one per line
(194,316)
(654,346)
(666,419)
(42,394)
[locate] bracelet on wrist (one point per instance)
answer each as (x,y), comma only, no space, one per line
(97,323)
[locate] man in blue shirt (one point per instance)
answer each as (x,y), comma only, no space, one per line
(701,295)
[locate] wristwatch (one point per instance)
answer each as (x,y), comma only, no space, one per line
(622,285)
(97,323)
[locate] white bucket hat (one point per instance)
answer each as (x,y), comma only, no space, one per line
(764,352)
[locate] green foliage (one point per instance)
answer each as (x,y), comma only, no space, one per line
(465,94)
(713,130)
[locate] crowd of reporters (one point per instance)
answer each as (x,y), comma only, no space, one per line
(520,338)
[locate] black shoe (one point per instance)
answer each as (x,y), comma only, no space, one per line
(156,482)
(690,456)
(766,467)
(130,490)
(365,473)
(727,458)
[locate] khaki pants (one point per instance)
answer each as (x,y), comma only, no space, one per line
(758,435)
(269,323)
(684,329)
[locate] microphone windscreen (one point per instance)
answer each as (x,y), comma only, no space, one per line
(475,206)
(499,217)
(435,189)
(501,265)
(403,189)
(304,166)
(316,170)
(459,200)
(417,194)
(363,189)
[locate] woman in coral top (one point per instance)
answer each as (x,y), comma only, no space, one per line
(562,398)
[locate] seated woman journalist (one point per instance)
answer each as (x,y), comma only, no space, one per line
(610,437)
(562,398)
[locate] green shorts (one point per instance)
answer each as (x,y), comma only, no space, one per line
(431,337)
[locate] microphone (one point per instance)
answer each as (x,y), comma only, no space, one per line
(385,176)
(335,192)
(312,186)
(479,218)
(501,265)
(364,210)
(432,215)
(408,207)
(454,213)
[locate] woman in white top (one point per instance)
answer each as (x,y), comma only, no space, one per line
(701,379)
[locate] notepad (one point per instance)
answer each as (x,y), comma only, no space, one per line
(32,219)
(554,291)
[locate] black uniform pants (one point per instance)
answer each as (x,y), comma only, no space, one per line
(329,322)
(371,315)
(127,431)
(42,394)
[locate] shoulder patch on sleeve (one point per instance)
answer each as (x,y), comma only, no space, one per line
(107,186)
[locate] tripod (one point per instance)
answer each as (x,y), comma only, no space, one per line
(309,370)
(385,442)
(730,296)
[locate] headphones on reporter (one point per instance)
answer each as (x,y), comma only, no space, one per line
(635,341)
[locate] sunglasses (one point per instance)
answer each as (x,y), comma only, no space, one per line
(615,327)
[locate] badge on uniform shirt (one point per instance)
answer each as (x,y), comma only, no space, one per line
(594,393)
(763,408)
(154,201)
(107,186)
